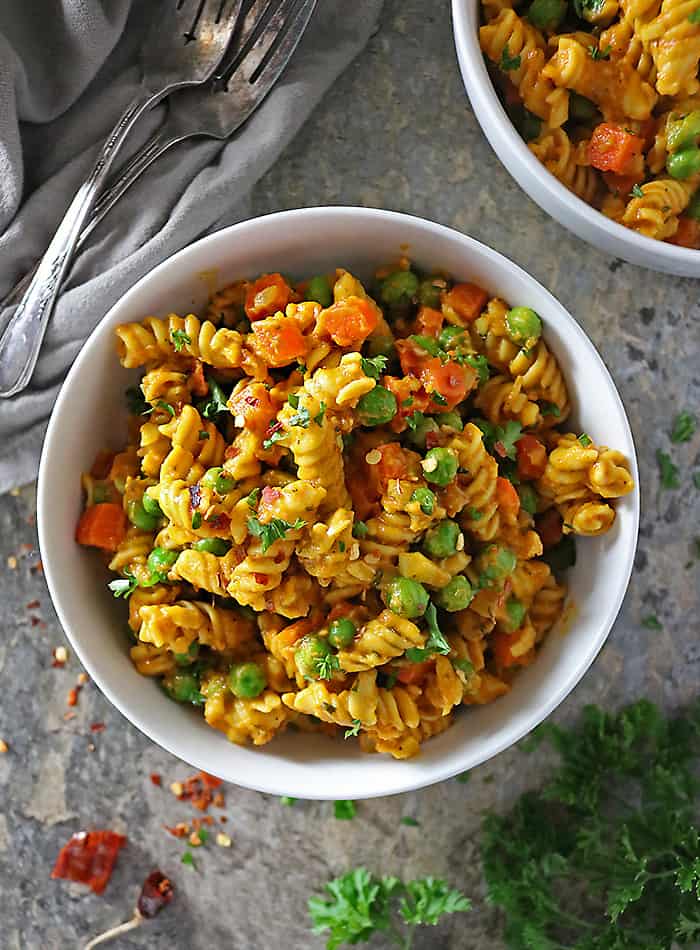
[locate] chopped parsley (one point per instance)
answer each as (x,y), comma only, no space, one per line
(196,520)
(323,668)
(414,420)
(550,409)
(410,822)
(509,62)
(162,404)
(341,547)
(500,439)
(436,642)
(318,418)
(345,810)
(135,402)
(427,343)
(215,402)
(637,191)
(123,586)
(464,666)
(479,363)
(694,17)
(668,471)
(373,366)
(288,801)
(301,419)
(438,398)
(273,531)
(180,338)
(652,622)
(189,860)
(684,427)
(596,53)
(354,729)
(359,530)
(585,440)
(252,498)
(301,369)
(293,400)
(275,437)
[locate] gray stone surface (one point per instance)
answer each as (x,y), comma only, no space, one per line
(396,131)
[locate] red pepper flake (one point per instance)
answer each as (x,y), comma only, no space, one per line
(195,496)
(220,802)
(97,727)
(271,429)
(157,891)
(89,858)
(33,604)
(37,568)
(219,522)
(269,495)
(68,716)
(35,621)
(180,830)
(197,789)
(223,819)
(73,696)
(26,547)
(156,779)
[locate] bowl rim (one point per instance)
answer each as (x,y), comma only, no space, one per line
(168,741)
(566,207)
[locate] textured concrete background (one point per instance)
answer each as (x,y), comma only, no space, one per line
(396,131)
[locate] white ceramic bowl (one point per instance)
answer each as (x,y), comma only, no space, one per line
(533,177)
(89,415)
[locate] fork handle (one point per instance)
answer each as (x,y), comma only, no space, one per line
(21,341)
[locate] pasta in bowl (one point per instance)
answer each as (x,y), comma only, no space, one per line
(343,505)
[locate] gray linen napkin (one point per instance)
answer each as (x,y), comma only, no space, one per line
(67,70)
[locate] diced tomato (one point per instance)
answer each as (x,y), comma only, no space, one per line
(450,380)
(278,342)
(414,673)
(507,497)
(102,526)
(688,234)
(102,464)
(412,357)
(428,322)
(253,402)
(348,322)
(467,301)
(89,858)
(614,149)
(266,296)
(500,644)
(549,527)
(532,457)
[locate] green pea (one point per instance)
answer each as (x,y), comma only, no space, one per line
(527,124)
(441,541)
(381,346)
(429,293)
(684,132)
(406,597)
(523,324)
(425,499)
(217,546)
(693,209)
(319,289)
(184,688)
(450,337)
(582,109)
(310,655)
(546,14)
(419,433)
(138,516)
(215,480)
(440,466)
(528,498)
(495,563)
(399,288)
(187,659)
(515,614)
(151,506)
(456,595)
(160,560)
(341,632)
(451,419)
(684,163)
(377,407)
(246,680)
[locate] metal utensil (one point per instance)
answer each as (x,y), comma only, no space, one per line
(215,111)
(184,46)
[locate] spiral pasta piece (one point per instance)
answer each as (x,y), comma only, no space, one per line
(502,398)
(172,336)
(547,606)
(480,515)
(673,38)
(542,379)
(359,703)
(176,626)
(242,721)
(329,547)
(152,661)
(656,211)
(379,640)
(147,596)
(554,149)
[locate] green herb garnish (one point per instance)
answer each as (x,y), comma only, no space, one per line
(637,191)
(651,622)
(668,471)
(273,531)
(288,801)
(215,402)
(373,366)
(180,338)
(359,530)
(345,810)
(354,729)
(123,586)
(508,62)
(549,409)
(436,642)
(683,427)
(410,822)
(318,418)
(585,440)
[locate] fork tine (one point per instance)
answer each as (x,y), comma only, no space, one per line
(285,42)
(267,25)
(194,15)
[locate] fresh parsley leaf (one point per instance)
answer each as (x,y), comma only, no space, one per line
(585,440)
(637,191)
(324,667)
(479,363)
(354,729)
(428,899)
(463,777)
(407,403)
(410,822)
(438,398)
(414,420)
(436,642)
(668,471)
(252,498)
(162,404)
(135,402)
(301,369)
(203,835)
(180,338)
(341,547)
(596,53)
(293,400)
(318,418)
(288,801)
(345,810)
(651,622)
(189,860)
(215,402)
(123,586)
(274,530)
(500,439)
(508,62)
(359,530)
(683,427)
(549,409)
(694,17)
(374,366)
(301,418)
(196,520)
(275,437)
(427,343)
(465,666)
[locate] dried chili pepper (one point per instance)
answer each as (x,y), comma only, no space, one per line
(89,858)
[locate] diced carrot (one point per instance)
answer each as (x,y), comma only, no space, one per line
(414,673)
(449,380)
(507,497)
(412,357)
(254,404)
(614,149)
(410,395)
(348,322)
(688,234)
(549,527)
(102,526)
(428,322)
(500,644)
(295,631)
(266,296)
(278,342)
(102,464)
(532,457)
(467,301)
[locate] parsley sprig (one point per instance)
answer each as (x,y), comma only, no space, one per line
(215,402)
(374,366)
(436,642)
(274,530)
(359,904)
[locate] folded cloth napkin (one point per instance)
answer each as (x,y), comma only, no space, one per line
(67,70)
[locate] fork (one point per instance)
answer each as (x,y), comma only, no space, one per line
(184,46)
(267,40)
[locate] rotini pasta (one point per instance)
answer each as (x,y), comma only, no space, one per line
(310,535)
